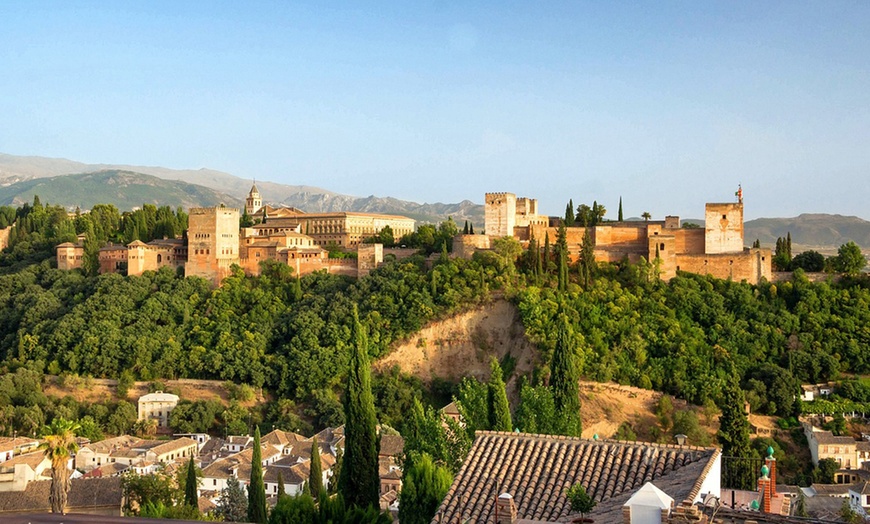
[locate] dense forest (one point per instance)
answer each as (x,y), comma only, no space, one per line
(688,337)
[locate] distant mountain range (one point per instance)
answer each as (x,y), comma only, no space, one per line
(19,177)
(72,184)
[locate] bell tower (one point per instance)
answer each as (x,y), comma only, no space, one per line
(253,203)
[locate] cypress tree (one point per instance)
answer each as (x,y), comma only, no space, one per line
(359,482)
(281,490)
(569,213)
(564,378)
(499,409)
(471,228)
(733,434)
(587,258)
(620,209)
(256,488)
(788,245)
(297,289)
(546,256)
(315,478)
(465,229)
(190,485)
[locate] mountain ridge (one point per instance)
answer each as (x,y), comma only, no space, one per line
(21,169)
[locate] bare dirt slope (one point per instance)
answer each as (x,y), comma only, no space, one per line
(604,406)
(463,344)
(104,390)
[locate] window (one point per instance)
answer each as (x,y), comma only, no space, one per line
(724,217)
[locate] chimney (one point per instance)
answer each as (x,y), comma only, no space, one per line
(764,489)
(505,509)
(770,462)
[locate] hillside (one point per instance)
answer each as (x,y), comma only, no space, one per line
(811,231)
(125,189)
(17,169)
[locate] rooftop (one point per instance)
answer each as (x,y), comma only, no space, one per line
(537,469)
(84,493)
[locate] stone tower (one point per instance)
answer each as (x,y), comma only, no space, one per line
(724,228)
(212,242)
(500,214)
(253,203)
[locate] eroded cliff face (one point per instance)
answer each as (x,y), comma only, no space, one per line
(463,344)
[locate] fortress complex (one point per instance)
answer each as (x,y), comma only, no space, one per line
(214,242)
(716,249)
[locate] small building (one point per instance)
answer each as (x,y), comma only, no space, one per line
(859,498)
(157,406)
(12,446)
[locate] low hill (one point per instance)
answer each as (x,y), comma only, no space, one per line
(125,189)
(17,169)
(811,231)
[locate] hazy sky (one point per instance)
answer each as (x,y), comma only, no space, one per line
(669,104)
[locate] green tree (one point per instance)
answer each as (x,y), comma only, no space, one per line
(824,472)
(256,488)
(587,265)
(359,482)
(499,409)
(315,478)
(190,486)
(232,505)
(564,380)
(733,436)
(620,210)
(295,510)
(810,261)
(424,485)
(59,443)
(569,214)
(646,216)
(580,501)
(850,260)
(536,412)
(282,491)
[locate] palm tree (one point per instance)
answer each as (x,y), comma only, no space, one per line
(59,444)
(646,216)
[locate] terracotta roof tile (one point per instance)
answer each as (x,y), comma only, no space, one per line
(84,493)
(537,469)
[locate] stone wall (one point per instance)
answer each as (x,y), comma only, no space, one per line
(369,257)
(750,265)
(500,213)
(213,242)
(723,228)
(464,246)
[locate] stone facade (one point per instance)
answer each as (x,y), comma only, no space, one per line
(717,249)
(212,242)
(157,406)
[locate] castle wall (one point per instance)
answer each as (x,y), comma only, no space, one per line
(663,248)
(689,241)
(113,259)
(369,257)
(723,228)
(213,242)
(750,265)
(464,246)
(500,214)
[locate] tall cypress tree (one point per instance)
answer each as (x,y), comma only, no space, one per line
(471,228)
(546,255)
(499,409)
(465,229)
(282,492)
(564,378)
(569,213)
(190,485)
(733,435)
(359,481)
(256,488)
(315,478)
(620,209)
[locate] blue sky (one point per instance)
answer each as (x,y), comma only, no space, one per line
(667,104)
